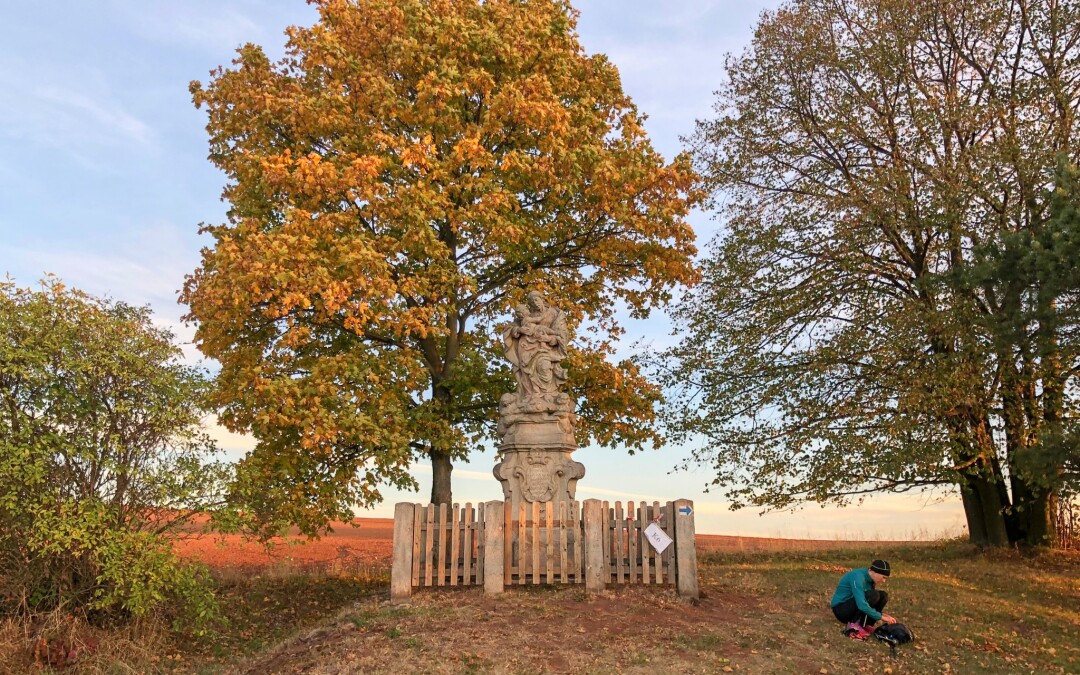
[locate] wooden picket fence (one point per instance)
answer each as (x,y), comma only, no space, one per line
(447,548)
(544,544)
(497,544)
(628,556)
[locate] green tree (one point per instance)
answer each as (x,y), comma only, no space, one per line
(396,182)
(103,458)
(1033,280)
(860,327)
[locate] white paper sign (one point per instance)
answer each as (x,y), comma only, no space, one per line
(657,537)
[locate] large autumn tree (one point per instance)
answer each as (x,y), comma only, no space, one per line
(887,306)
(396,182)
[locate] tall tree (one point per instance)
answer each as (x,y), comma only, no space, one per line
(395,183)
(859,327)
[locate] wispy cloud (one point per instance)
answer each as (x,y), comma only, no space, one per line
(685,15)
(135,275)
(143,264)
(100,113)
(670,55)
(194,24)
(7,171)
(71,109)
(589,491)
(144,270)
(464,474)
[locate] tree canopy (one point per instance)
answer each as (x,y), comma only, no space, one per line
(886,307)
(396,182)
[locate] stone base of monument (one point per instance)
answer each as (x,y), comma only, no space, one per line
(538,474)
(537,440)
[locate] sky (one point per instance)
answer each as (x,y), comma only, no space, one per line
(104,181)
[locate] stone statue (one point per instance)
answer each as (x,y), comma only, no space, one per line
(536,422)
(535,345)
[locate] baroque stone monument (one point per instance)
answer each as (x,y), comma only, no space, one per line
(536,422)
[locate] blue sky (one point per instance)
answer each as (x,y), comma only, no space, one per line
(104,180)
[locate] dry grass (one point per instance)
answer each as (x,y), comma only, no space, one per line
(260,608)
(763,612)
(73,644)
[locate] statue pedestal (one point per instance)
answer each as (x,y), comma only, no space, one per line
(538,475)
(538,438)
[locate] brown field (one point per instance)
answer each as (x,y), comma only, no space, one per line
(364,542)
(367,542)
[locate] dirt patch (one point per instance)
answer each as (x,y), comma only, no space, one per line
(526,630)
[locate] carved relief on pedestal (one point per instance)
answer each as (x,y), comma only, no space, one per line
(545,420)
(539,475)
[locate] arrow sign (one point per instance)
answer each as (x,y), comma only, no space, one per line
(686,510)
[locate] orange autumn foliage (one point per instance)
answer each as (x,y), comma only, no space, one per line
(395,183)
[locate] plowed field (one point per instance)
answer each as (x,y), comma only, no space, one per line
(368,542)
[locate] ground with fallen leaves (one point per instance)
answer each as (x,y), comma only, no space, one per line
(324,608)
(761,612)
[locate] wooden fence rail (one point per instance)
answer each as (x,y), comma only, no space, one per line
(497,545)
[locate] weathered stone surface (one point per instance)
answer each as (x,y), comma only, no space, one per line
(536,345)
(542,420)
(539,475)
(536,422)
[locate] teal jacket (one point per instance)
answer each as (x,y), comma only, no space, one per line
(855,584)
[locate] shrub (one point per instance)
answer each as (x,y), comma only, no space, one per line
(103,457)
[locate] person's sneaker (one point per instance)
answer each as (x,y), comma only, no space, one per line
(856,631)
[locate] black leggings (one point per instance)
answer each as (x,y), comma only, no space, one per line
(848,612)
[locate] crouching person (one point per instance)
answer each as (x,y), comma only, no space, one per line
(858,602)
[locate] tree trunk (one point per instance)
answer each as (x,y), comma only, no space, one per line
(1017,417)
(440,477)
(983,510)
(986,480)
(1042,512)
(440,460)
(1037,511)
(1013,526)
(983,505)
(976,522)
(993,518)
(1034,504)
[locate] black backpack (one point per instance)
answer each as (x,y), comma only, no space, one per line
(893,634)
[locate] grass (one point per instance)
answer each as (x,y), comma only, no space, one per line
(263,610)
(972,612)
(258,610)
(996,612)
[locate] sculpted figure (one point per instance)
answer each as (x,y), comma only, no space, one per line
(536,345)
(536,422)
